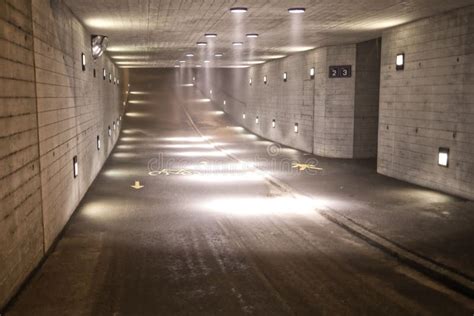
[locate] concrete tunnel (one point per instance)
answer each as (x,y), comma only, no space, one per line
(236,157)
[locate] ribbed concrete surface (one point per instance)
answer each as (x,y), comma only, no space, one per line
(214,239)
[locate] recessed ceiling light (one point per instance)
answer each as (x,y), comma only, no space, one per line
(252,35)
(189,55)
(198,66)
(207,61)
(219,55)
(237,43)
(210,35)
(296,10)
(238,10)
(176,66)
(182,61)
(201,43)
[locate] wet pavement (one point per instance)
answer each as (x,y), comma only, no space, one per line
(207,234)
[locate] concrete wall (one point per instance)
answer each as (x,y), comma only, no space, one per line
(331,113)
(50,111)
(430,104)
(21,226)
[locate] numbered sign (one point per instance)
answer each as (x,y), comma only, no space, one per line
(340,71)
(333,72)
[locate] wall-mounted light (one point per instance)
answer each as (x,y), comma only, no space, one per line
(210,92)
(98,142)
(110,77)
(238,10)
(224,102)
(312,73)
(118,123)
(252,35)
(115,81)
(98,45)
(443,157)
(273,123)
(250,81)
(210,35)
(243,116)
(83,61)
(400,62)
(110,131)
(104,73)
(113,124)
(265,79)
(194,78)
(120,117)
(296,127)
(296,10)
(75,167)
(256,120)
(285,76)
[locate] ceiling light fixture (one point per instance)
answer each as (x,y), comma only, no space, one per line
(189,55)
(182,61)
(207,61)
(210,35)
(219,55)
(237,43)
(296,10)
(252,35)
(201,43)
(238,10)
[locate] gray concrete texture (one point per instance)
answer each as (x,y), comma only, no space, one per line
(422,108)
(50,111)
(219,238)
(157,33)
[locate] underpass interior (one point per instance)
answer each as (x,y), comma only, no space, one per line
(321,168)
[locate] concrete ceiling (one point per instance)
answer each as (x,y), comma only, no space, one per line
(158,33)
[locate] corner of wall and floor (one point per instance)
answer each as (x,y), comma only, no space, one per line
(401,118)
(51,110)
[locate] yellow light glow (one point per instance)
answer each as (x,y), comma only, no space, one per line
(136,114)
(253,206)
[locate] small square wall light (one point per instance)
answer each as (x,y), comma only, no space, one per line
(296,127)
(75,167)
(118,81)
(114,125)
(256,120)
(250,81)
(194,78)
(400,62)
(238,10)
(443,157)
(98,142)
(224,102)
(104,73)
(285,76)
(243,116)
(265,79)
(83,61)
(110,78)
(273,123)
(110,131)
(210,92)
(115,81)
(312,72)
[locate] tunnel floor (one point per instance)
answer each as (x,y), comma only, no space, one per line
(207,234)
